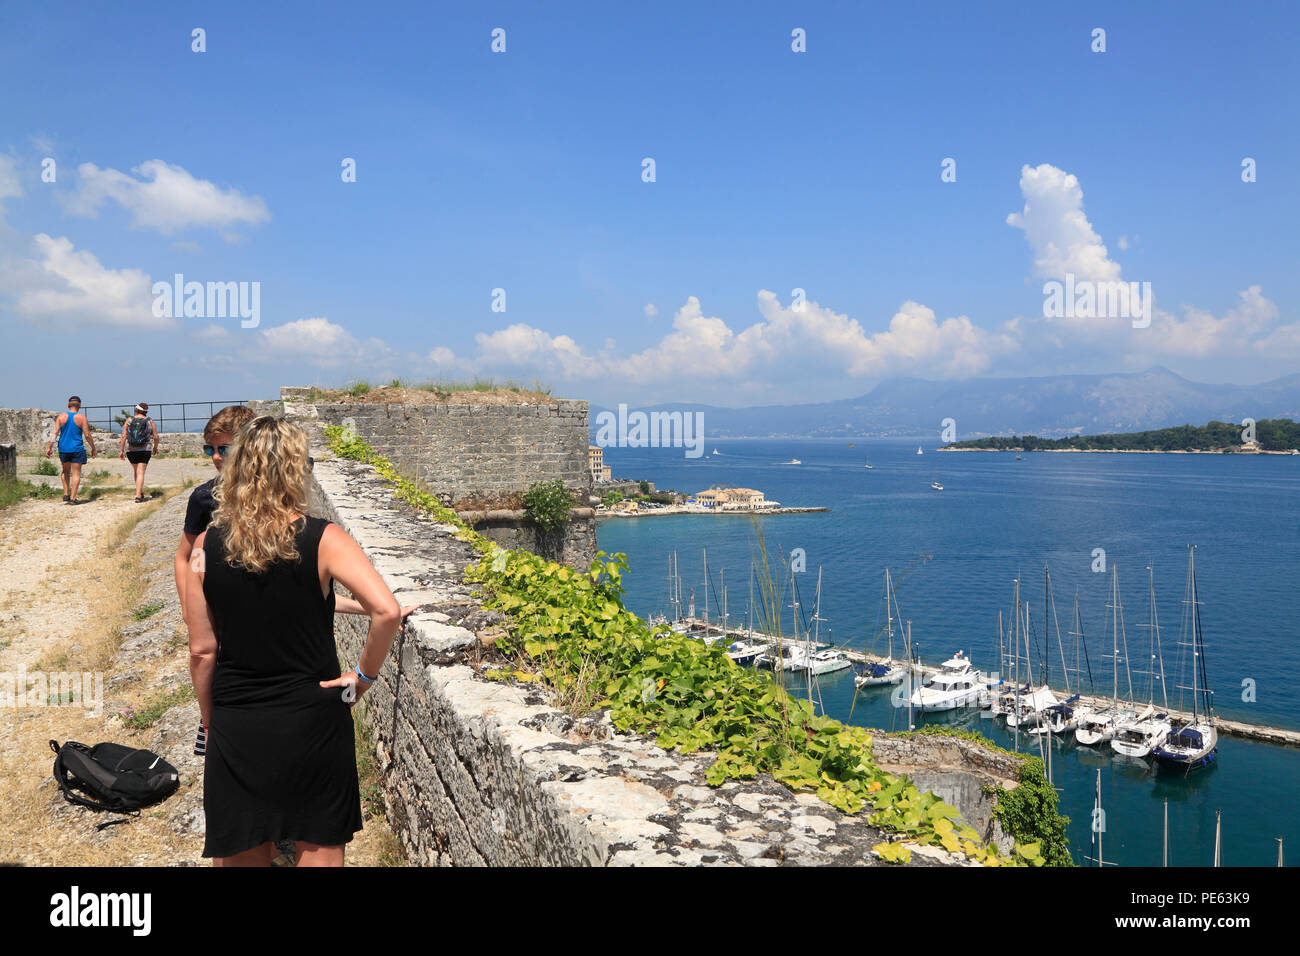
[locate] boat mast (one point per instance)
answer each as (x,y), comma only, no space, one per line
(1218,858)
(1156,652)
(1166,850)
(724,604)
(911,725)
(706,593)
(749,625)
(1198,644)
(1016,704)
(889,617)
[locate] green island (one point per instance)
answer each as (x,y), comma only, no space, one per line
(572,633)
(1277,435)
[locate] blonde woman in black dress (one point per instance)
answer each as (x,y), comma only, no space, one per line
(280,762)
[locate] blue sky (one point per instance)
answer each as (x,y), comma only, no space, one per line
(522,171)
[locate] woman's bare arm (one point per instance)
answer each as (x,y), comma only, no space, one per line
(203,636)
(341,558)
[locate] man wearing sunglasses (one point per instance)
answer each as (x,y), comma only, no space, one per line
(218,437)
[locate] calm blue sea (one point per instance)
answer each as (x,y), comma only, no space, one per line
(954,555)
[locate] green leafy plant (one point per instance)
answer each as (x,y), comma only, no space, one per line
(45,466)
(548,504)
(150,714)
(147,610)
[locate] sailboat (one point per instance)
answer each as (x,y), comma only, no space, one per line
(1058,718)
(918,450)
(748,652)
(887,671)
(1142,734)
(825,660)
(868,465)
(1030,702)
(1098,726)
(936,486)
(1192,742)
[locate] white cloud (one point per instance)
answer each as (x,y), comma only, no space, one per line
(1059,234)
(1122,242)
(62,283)
(651,310)
(10,185)
(788,345)
(318,342)
(166,198)
(1200,334)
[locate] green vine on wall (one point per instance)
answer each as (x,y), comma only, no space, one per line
(572,625)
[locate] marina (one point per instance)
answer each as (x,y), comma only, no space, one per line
(954,556)
(762,643)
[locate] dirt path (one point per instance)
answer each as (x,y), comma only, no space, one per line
(88,600)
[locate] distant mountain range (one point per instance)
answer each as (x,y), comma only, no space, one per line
(1051,406)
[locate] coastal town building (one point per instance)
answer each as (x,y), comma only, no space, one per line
(596,463)
(735,499)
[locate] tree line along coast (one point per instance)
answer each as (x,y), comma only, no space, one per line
(1274,436)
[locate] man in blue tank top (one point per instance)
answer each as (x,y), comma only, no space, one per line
(73,434)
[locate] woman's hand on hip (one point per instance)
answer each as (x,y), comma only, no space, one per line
(352,689)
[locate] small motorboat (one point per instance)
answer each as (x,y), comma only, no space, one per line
(936,486)
(955,684)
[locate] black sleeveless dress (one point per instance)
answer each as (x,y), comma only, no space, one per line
(281,763)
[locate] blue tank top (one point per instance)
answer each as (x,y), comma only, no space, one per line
(70,435)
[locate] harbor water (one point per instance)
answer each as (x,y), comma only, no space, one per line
(954,555)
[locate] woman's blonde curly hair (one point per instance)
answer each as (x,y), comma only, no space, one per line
(263,484)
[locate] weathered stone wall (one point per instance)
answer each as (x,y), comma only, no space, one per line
(28,428)
(476,772)
(478,458)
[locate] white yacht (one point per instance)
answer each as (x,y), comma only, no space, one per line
(1139,736)
(936,486)
(918,450)
(826,662)
(1095,727)
(794,461)
(955,684)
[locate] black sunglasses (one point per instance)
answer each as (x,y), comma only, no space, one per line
(211,450)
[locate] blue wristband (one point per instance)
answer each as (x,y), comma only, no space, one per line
(363,677)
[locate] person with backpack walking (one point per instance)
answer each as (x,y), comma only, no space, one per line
(73,433)
(137,433)
(280,758)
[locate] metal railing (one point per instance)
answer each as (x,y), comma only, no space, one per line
(189,416)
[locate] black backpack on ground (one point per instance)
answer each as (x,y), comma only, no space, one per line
(112,777)
(137,431)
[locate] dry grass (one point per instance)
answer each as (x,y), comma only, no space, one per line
(434,394)
(38,827)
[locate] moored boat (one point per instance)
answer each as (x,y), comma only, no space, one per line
(955,684)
